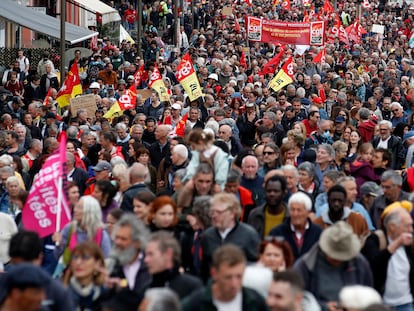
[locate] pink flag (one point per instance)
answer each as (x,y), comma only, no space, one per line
(40,213)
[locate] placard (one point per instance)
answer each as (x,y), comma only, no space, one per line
(86,102)
(227,11)
(378,28)
(145,93)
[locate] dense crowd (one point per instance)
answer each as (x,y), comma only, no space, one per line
(244,199)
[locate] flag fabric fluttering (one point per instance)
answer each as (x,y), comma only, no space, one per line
(47,208)
(188,79)
(156,83)
(46,101)
(71,87)
(320,57)
(271,65)
(283,77)
(113,112)
(124,35)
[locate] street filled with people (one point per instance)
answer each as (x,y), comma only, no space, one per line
(237,163)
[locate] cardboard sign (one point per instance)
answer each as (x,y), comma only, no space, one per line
(145,93)
(227,11)
(86,102)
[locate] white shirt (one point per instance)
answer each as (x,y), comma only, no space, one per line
(397,284)
(131,270)
(383,143)
(232,305)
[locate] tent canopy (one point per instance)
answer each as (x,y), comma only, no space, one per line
(42,23)
(108,13)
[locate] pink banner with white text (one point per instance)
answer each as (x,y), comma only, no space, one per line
(40,213)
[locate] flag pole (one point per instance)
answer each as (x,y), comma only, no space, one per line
(59,206)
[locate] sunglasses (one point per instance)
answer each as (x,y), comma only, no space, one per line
(267,152)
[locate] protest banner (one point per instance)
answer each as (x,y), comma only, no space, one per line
(47,208)
(265,30)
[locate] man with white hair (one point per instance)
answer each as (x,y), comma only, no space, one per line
(225,133)
(137,175)
(161,147)
(391,142)
(179,160)
(251,180)
(398,114)
(298,229)
(392,263)
(357,297)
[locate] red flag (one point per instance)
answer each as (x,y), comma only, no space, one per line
(355,32)
(236,24)
(338,31)
(306,17)
(243,61)
(139,75)
(286,4)
(283,77)
(271,66)
(71,87)
(327,7)
(129,99)
(248,2)
(47,209)
(46,101)
(320,57)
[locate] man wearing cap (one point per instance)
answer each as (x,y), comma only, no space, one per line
(332,264)
(367,193)
(390,256)
(23,288)
(178,124)
(121,90)
(50,121)
(340,123)
(27,248)
(212,81)
(102,172)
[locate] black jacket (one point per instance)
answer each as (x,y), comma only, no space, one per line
(182,284)
(79,177)
(311,236)
(242,235)
(396,147)
(378,260)
(129,194)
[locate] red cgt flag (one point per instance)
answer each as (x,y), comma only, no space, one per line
(320,57)
(328,8)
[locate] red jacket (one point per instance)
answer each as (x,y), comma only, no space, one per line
(246,201)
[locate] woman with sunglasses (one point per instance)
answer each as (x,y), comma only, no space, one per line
(271,154)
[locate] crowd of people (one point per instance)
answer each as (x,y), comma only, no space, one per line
(244,199)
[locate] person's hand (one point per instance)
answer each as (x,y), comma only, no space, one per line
(406,239)
(333,306)
(57,237)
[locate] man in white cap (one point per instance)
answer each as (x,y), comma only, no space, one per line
(334,263)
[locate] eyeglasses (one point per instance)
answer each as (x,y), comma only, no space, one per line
(267,152)
(347,132)
(395,110)
(81,257)
(384,129)
(218,212)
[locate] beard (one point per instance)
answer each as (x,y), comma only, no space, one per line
(123,256)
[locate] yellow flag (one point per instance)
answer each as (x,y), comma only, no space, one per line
(188,78)
(158,85)
(113,112)
(283,77)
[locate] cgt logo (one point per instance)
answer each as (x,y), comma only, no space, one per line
(317,30)
(255,25)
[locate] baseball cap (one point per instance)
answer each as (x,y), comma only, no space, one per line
(370,188)
(176,106)
(213,76)
(130,77)
(94,85)
(50,115)
(102,166)
(339,119)
(121,81)
(408,135)
(27,275)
